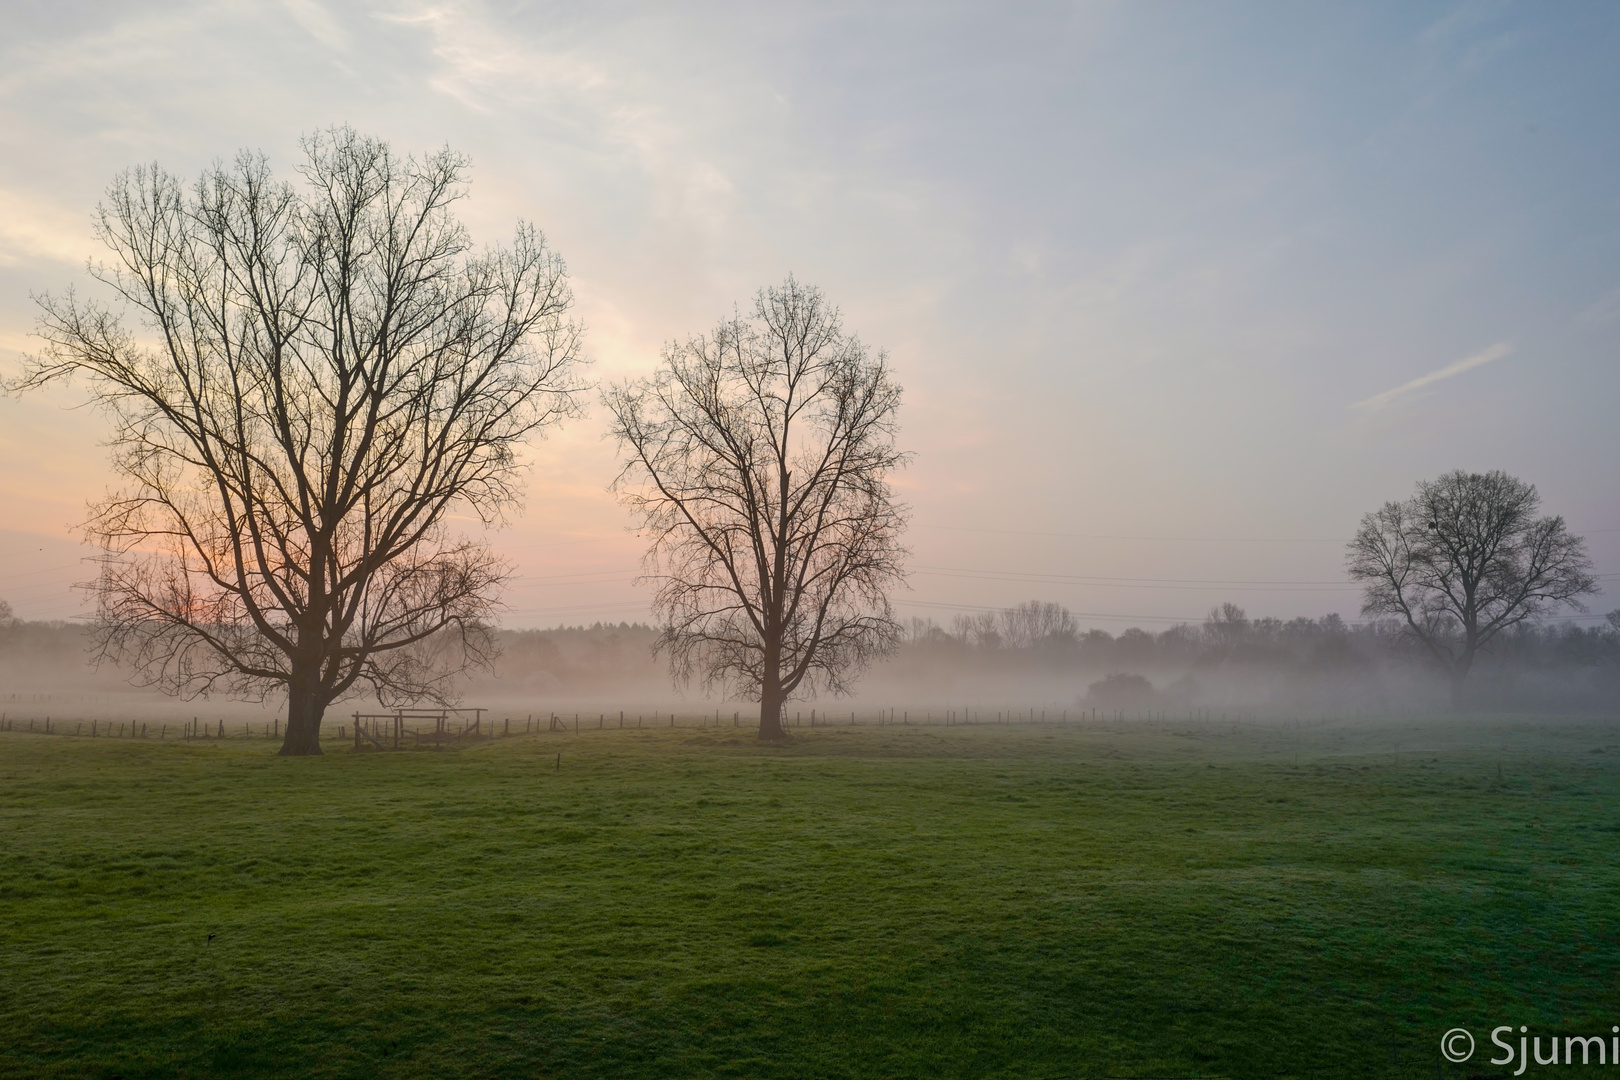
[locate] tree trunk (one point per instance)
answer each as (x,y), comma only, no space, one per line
(771,697)
(305,708)
(1459,690)
(771,700)
(1459,676)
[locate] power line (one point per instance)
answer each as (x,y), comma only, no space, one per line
(1166,539)
(36,573)
(1119,536)
(1160,618)
(1118,582)
(1082,614)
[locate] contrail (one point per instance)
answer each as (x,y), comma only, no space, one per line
(1495,352)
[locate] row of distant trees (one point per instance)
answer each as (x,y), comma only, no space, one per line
(324,375)
(1227,658)
(1037,635)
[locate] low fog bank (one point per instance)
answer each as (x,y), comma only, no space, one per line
(1030,656)
(1036,652)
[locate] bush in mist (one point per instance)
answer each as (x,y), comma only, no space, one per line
(1120,691)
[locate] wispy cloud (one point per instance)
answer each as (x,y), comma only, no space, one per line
(31,227)
(1467,363)
(318,22)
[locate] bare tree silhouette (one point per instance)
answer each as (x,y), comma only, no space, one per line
(324,375)
(1464,559)
(759,460)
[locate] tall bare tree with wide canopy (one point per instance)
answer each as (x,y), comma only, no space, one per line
(323,374)
(1464,559)
(759,461)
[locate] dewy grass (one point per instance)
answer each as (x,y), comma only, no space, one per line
(1042,901)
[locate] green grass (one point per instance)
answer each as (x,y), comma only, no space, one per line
(1160,900)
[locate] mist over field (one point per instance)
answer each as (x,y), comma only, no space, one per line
(780,541)
(1025,662)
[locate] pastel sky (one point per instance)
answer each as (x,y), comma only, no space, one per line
(1177,290)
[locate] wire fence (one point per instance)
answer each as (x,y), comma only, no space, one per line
(401,729)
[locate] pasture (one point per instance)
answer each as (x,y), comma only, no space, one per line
(1136,899)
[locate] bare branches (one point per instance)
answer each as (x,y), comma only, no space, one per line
(758,460)
(1465,559)
(323,375)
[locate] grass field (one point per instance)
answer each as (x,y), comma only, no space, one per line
(1125,900)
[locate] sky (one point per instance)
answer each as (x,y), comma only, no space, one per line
(1177,291)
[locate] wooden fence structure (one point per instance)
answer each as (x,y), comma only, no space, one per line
(388,730)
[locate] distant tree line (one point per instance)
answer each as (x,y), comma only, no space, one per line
(1232,657)
(1037,634)
(1034,650)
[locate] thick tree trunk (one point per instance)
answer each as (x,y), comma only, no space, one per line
(1459,690)
(770,717)
(1459,677)
(771,697)
(305,708)
(771,700)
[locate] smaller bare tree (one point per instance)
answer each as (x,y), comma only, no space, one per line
(759,461)
(1464,559)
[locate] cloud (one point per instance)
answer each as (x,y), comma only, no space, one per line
(33,228)
(318,22)
(1479,359)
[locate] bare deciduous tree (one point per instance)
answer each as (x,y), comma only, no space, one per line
(1034,625)
(1464,559)
(325,374)
(759,460)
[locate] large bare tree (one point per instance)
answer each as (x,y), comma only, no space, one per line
(323,374)
(1462,560)
(759,461)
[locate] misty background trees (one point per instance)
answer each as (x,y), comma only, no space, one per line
(1465,559)
(758,461)
(1228,661)
(322,374)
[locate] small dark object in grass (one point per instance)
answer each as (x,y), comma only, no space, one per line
(766,941)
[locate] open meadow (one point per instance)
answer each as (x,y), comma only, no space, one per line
(1140,899)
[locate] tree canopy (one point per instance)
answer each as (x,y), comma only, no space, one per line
(1464,559)
(323,373)
(759,461)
